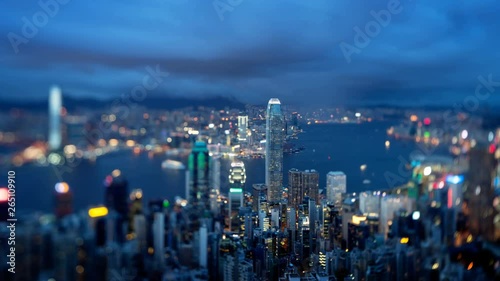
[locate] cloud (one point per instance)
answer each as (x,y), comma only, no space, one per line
(432,50)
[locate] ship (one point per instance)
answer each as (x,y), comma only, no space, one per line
(172,164)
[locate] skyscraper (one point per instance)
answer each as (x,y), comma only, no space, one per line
(242,128)
(237,174)
(302,184)
(55,106)
(335,186)
(274,150)
(199,193)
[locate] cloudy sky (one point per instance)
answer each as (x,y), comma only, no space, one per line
(427,52)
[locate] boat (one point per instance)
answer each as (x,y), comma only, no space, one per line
(172,164)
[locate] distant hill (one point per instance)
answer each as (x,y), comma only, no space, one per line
(167,103)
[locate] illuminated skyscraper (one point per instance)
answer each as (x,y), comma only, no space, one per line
(335,186)
(199,172)
(274,150)
(237,174)
(242,128)
(55,106)
(302,184)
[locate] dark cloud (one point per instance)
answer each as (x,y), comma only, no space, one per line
(432,51)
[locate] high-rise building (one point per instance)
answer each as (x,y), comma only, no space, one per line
(335,187)
(215,172)
(199,193)
(116,194)
(237,174)
(259,191)
(242,128)
(55,106)
(235,203)
(302,184)
(480,192)
(64,200)
(274,150)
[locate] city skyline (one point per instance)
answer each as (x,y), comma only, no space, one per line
(102,56)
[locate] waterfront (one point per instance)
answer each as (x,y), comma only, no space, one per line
(329,147)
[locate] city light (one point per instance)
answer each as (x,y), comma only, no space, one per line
(415,216)
(235,190)
(464,134)
(4,194)
(414,118)
(454,179)
(62,187)
(427,171)
(404,240)
(98,212)
(116,173)
(427,121)
(113,142)
(435,266)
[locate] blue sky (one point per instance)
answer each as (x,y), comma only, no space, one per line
(430,52)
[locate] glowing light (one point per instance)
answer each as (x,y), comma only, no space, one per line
(55,159)
(387,143)
(130,143)
(464,134)
(113,142)
(169,139)
(427,135)
(427,170)
(62,187)
(450,198)
(478,190)
(98,212)
(491,136)
(235,190)
(357,114)
(435,266)
(116,173)
(470,266)
(454,179)
(469,238)
(441,184)
(416,215)
(454,140)
(70,149)
(211,125)
(79,269)
(404,240)
(427,121)
(166,204)
(414,118)
(492,148)
(4,194)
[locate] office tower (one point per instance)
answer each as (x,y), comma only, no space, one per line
(4,204)
(242,128)
(159,237)
(369,202)
(140,228)
(274,150)
(259,191)
(199,193)
(237,174)
(203,246)
(235,203)
(335,187)
(302,184)
(388,207)
(349,208)
(55,106)
(135,208)
(116,194)
(480,192)
(295,119)
(215,172)
(64,200)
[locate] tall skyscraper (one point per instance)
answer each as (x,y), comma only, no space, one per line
(199,192)
(235,203)
(55,106)
(335,186)
(237,174)
(274,150)
(302,184)
(242,128)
